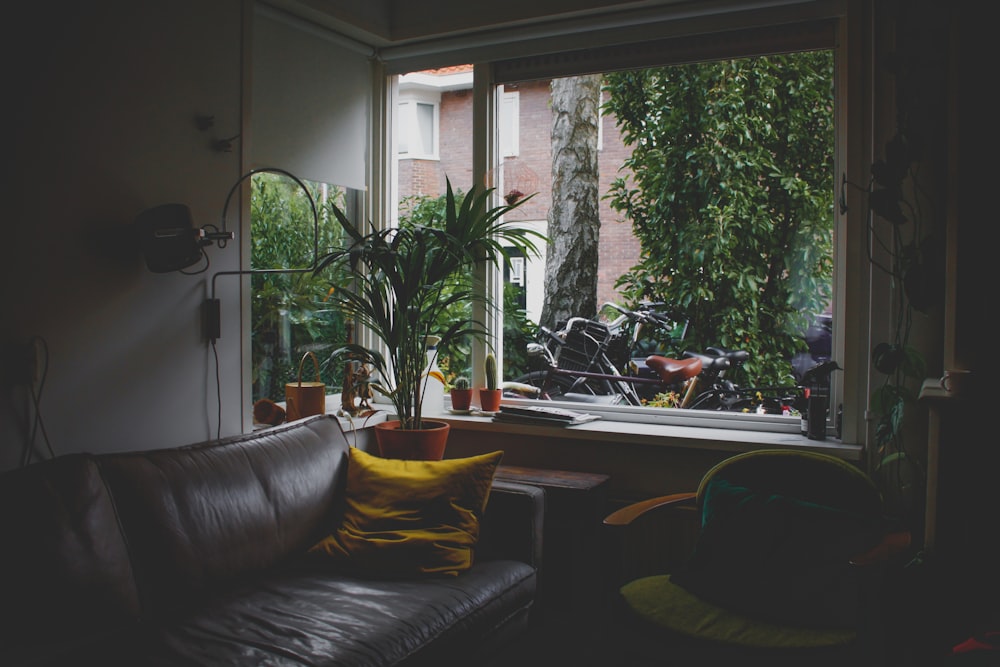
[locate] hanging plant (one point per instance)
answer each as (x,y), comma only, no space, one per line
(899,194)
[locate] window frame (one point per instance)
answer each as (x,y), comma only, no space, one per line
(855,318)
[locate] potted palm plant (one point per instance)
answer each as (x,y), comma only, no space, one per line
(402,280)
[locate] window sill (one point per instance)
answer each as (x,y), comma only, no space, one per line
(660,435)
(609,431)
(346,423)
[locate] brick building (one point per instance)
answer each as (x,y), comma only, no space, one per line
(436,126)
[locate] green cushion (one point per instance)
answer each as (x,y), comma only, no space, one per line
(659,601)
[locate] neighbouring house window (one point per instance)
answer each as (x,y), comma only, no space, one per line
(509,123)
(418,123)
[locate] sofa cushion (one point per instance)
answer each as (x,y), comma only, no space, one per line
(315,615)
(198,517)
(65,576)
(405,517)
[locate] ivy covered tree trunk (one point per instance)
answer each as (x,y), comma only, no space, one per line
(574,223)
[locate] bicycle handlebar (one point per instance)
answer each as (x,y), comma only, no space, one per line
(549,333)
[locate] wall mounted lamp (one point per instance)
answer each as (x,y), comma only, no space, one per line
(170,242)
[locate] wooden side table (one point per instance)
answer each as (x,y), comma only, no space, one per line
(575,503)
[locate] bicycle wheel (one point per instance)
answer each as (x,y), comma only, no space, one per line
(721,401)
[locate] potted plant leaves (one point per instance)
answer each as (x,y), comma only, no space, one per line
(403,278)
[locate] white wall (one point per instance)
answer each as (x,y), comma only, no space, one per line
(104,100)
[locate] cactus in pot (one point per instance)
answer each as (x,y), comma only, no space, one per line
(490,367)
(461,394)
(489,397)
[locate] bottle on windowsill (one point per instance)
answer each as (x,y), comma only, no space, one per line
(804,413)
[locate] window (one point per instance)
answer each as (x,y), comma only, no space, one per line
(312,120)
(509,123)
(848,307)
(620,251)
(417,134)
(287,315)
(418,111)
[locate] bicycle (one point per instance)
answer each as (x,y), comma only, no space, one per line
(722,394)
(591,360)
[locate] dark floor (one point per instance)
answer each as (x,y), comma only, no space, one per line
(558,642)
(559,639)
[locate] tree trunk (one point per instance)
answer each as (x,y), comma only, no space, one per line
(574,222)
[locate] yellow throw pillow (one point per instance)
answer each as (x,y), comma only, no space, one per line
(411,517)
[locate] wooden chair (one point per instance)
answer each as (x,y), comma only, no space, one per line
(777,558)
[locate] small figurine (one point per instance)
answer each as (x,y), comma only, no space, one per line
(348,392)
(365,393)
(356,392)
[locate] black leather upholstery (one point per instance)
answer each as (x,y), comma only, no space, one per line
(197,556)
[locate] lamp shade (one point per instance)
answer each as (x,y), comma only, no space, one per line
(167,237)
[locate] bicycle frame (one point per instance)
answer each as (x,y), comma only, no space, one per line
(578,360)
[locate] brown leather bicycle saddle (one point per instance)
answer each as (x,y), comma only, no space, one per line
(673,370)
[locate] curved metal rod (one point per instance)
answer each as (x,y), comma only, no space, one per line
(312,204)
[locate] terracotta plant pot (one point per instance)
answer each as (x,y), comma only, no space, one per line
(461,399)
(426,444)
(489,399)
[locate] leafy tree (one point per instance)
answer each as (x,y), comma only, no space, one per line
(730,192)
(288,315)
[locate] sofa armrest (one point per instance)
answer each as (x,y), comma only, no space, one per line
(512,526)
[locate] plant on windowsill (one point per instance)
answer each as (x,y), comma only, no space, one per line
(461,394)
(404,278)
(489,396)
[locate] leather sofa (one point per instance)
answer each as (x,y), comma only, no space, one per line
(198,556)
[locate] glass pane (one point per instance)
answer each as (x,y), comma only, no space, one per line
(425,128)
(289,318)
(714,195)
(422,184)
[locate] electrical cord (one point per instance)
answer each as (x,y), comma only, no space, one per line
(204,268)
(38,423)
(218,392)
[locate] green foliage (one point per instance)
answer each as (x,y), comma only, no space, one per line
(455,359)
(731,196)
(518,331)
(288,314)
(406,279)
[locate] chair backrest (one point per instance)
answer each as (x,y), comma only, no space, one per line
(778,531)
(811,477)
